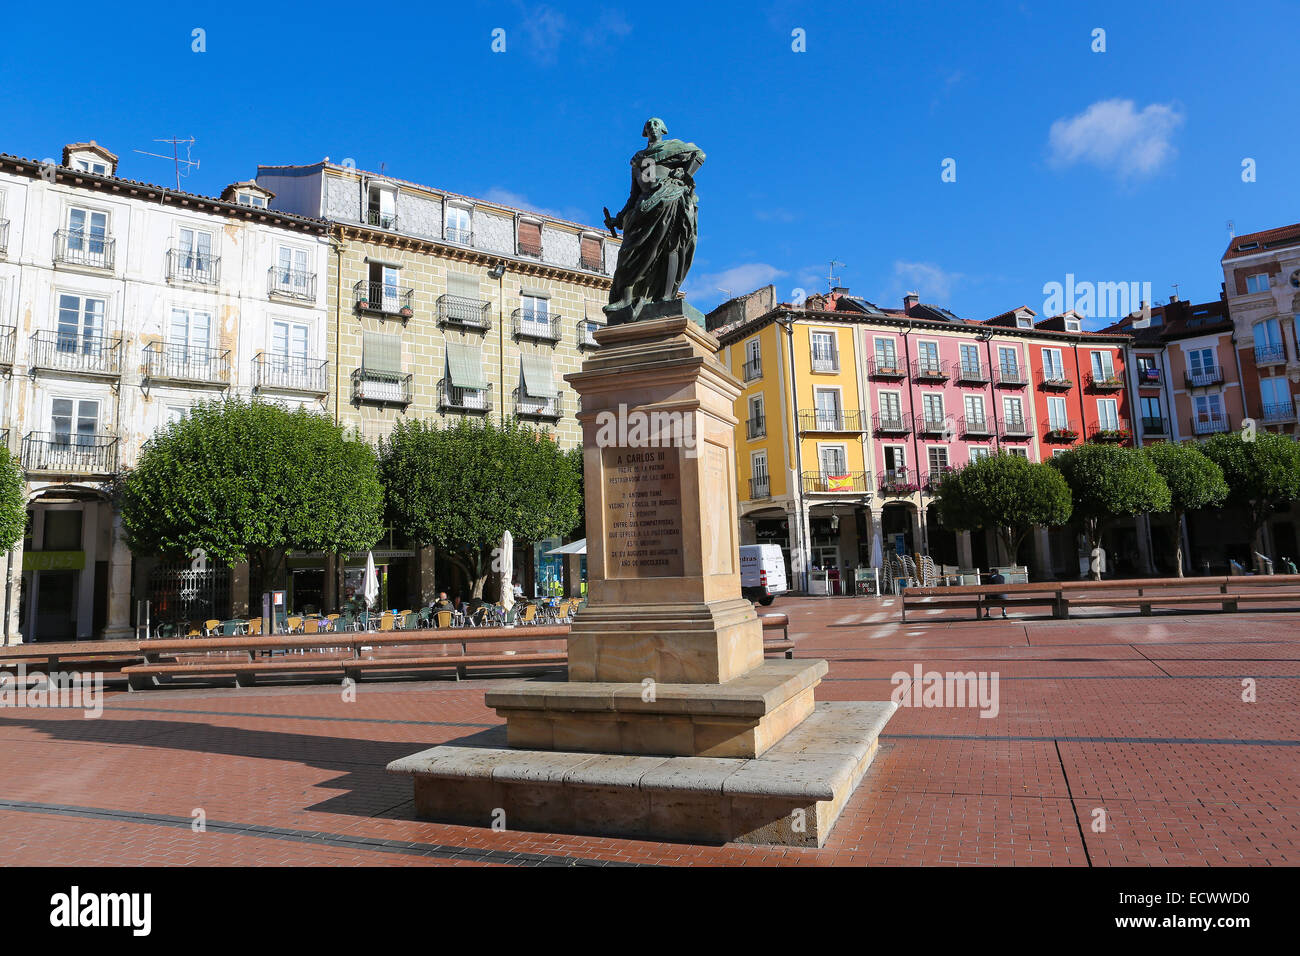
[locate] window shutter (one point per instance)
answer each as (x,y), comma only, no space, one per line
(466,287)
(530,238)
(380,352)
(538,380)
(465,366)
(591,252)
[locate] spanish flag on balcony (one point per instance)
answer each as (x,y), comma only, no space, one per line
(839,483)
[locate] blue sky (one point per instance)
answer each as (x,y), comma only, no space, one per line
(1122,166)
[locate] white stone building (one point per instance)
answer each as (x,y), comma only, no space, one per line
(121,304)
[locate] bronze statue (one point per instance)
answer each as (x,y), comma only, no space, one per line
(658,223)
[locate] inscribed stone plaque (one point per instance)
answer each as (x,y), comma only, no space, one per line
(643,512)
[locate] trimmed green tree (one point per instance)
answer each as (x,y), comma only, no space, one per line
(13,502)
(460,487)
(1007,493)
(1194,481)
(252,481)
(1107,482)
(1262,470)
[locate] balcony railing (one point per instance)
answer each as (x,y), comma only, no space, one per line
(826,361)
(193,267)
(976,426)
(291,283)
(935,478)
(67,454)
(972,373)
(756,427)
(760,488)
(1209,424)
(530,406)
(587,335)
(1203,378)
(78,248)
(373,387)
(285,373)
(1055,380)
(929,425)
(1154,426)
(542,326)
(8,340)
(925,371)
(884,367)
(1115,433)
(529,247)
(457,399)
(1060,432)
(752,369)
(852,482)
(4,236)
(1015,428)
(186,364)
(77,352)
(375,217)
(1270,354)
(1111,381)
(1149,377)
(462,237)
(474,314)
(1275,413)
(592,263)
(830,420)
(899,481)
(885,423)
(1010,376)
(384,299)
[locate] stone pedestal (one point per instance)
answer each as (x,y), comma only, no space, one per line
(672,723)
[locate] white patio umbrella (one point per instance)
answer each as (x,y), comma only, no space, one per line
(507,571)
(877,553)
(370,584)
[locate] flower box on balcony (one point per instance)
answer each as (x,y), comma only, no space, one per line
(363,303)
(1062,434)
(406,312)
(898,488)
(1111,435)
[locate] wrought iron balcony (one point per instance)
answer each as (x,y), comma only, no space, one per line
(979,426)
(384,299)
(456,399)
(186,365)
(830,420)
(849,483)
(899,481)
(929,425)
(752,369)
(527,247)
(1203,378)
(756,427)
(883,423)
(1013,428)
(462,237)
(77,353)
(375,387)
(4,236)
(541,326)
(8,340)
(592,263)
(1280,412)
(1062,432)
(826,361)
(972,373)
(1055,380)
(291,283)
(1270,354)
(1209,424)
(935,478)
(285,373)
(760,488)
(383,220)
(587,335)
(89,455)
(193,267)
(885,367)
(1111,381)
(473,314)
(926,371)
(1010,376)
(1150,377)
(76,247)
(1100,433)
(1154,426)
(529,406)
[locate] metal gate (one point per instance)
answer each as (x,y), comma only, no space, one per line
(181,592)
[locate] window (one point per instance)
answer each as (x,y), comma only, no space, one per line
(757,427)
(974,409)
(591,253)
(1209,408)
(188,339)
(1103,366)
(928,357)
(886,355)
(90,166)
(457,225)
(87,231)
(1201,364)
(81,325)
(1257,282)
(530,238)
(1072,325)
(938,459)
(382,211)
(932,406)
(251,199)
(194,253)
(1022,321)
(895,460)
(833,460)
(1053,365)
(824,357)
(889,408)
(827,401)
(758,468)
(1148,370)
(288,352)
(174,413)
(1020,450)
(1151,409)
(291,271)
(1012,411)
(970,360)
(1057,419)
(753,359)
(1009,362)
(384,287)
(73,421)
(534,314)
(1108,414)
(978,453)
(1275,394)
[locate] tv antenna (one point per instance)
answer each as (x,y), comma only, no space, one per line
(175,157)
(831,277)
(726,292)
(1232,229)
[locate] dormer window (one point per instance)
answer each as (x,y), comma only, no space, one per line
(1072,325)
(248,193)
(382,206)
(1022,321)
(457,224)
(251,199)
(90,158)
(89,166)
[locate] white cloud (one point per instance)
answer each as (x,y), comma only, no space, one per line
(507,197)
(930,281)
(1114,136)
(739,280)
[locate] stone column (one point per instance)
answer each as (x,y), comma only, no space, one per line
(14,590)
(1042,554)
(86,582)
(118,626)
(1142,526)
(965,556)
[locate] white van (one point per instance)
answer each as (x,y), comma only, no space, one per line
(762,572)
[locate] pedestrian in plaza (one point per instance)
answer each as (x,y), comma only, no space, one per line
(995,578)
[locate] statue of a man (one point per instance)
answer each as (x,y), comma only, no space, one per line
(658,223)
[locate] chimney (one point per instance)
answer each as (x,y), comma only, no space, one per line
(910,301)
(1173,299)
(840,290)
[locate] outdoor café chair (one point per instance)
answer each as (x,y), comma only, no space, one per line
(386,622)
(442,619)
(210,627)
(529,615)
(294,625)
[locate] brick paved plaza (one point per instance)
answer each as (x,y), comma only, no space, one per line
(1142,718)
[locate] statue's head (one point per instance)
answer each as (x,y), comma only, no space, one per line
(654,125)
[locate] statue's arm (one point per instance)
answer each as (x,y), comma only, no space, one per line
(633,195)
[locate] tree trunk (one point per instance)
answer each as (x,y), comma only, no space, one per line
(1178,540)
(1093,527)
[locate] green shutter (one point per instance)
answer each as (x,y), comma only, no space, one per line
(538,380)
(380,352)
(465,366)
(467,287)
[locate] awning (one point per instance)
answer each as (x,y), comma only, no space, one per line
(573,547)
(538,380)
(465,366)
